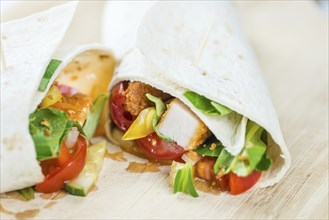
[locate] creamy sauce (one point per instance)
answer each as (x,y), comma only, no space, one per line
(135,167)
(94,188)
(49,205)
(206,187)
(5,211)
(15,195)
(118,156)
(27,214)
(53,196)
(20,215)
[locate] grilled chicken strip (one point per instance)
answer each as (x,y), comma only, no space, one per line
(181,125)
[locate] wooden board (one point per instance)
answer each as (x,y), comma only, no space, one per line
(290,40)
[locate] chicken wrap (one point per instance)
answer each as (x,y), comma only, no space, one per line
(52,100)
(191,93)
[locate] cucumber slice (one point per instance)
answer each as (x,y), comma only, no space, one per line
(81,185)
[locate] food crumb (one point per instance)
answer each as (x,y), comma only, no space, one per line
(103,56)
(213,146)
(45,122)
(47,132)
(243,157)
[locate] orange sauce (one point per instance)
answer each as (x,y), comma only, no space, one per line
(53,196)
(118,156)
(20,215)
(49,205)
(206,187)
(15,195)
(5,211)
(27,214)
(135,167)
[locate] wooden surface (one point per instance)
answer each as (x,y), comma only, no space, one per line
(290,41)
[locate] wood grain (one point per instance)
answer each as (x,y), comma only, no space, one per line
(290,40)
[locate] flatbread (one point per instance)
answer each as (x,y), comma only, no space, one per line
(28,45)
(198,46)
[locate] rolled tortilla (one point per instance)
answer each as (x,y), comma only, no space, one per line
(198,46)
(28,45)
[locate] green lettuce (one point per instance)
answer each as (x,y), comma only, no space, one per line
(27,193)
(47,127)
(94,115)
(51,68)
(206,150)
(253,155)
(184,181)
(160,108)
(206,105)
(224,161)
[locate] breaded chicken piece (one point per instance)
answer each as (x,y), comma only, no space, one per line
(136,101)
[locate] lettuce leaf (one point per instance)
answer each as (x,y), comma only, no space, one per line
(206,149)
(51,68)
(184,181)
(206,105)
(47,127)
(94,115)
(27,193)
(68,128)
(160,108)
(253,155)
(224,161)
(264,164)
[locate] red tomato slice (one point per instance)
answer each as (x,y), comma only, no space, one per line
(121,118)
(152,144)
(60,161)
(64,155)
(239,184)
(63,170)
(223,183)
(159,148)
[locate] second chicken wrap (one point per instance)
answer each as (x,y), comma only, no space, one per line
(191,91)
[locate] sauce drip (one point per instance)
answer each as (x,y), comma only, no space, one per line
(49,205)
(5,211)
(20,215)
(15,195)
(118,156)
(27,214)
(206,187)
(53,196)
(135,167)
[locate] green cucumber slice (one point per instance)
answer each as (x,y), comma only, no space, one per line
(81,185)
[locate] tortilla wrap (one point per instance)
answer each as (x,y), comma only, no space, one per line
(28,45)
(198,46)
(121,19)
(86,13)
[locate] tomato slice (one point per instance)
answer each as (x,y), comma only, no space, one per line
(65,155)
(159,148)
(121,118)
(229,182)
(239,184)
(64,168)
(151,144)
(60,161)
